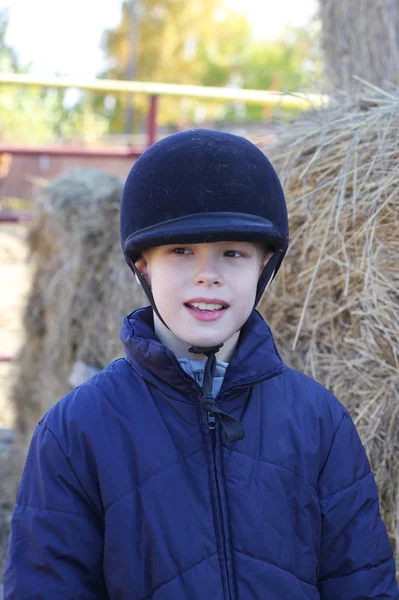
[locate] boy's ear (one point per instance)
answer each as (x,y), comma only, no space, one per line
(142,266)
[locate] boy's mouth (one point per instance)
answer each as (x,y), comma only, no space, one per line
(204,306)
(207,310)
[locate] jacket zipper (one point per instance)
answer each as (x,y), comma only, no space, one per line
(212,430)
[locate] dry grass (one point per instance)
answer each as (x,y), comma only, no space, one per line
(334,308)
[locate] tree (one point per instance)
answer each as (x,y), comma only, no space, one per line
(8,56)
(202,43)
(39,116)
(178,42)
(361,37)
(19,118)
(290,63)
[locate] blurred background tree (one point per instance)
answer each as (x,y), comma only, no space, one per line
(8,56)
(361,38)
(200,43)
(39,115)
(19,118)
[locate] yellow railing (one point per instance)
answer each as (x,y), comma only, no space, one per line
(225,94)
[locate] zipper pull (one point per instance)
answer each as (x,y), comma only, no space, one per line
(211,420)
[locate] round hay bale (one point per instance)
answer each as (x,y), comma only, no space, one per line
(334,308)
(81,290)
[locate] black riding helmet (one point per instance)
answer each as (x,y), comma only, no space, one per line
(204,186)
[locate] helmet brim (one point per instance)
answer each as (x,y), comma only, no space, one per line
(205,228)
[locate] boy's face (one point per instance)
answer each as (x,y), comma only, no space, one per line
(204,292)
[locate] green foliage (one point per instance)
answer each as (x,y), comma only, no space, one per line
(34,116)
(8,56)
(199,42)
(170,48)
(20,120)
(288,64)
(39,116)
(203,43)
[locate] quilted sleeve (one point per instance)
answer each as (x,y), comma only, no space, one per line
(56,542)
(356,561)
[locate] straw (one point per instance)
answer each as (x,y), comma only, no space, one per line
(334,307)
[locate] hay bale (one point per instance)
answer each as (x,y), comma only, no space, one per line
(334,308)
(81,290)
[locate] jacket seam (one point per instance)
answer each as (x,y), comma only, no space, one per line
(365,568)
(179,574)
(72,468)
(136,489)
(346,488)
(268,462)
(64,512)
(269,562)
(332,444)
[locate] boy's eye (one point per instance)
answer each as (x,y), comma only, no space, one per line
(184,250)
(180,250)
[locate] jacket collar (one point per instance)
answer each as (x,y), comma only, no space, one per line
(256,357)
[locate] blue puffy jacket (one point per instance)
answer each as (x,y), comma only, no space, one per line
(128,495)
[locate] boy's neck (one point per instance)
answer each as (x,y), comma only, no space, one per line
(180,348)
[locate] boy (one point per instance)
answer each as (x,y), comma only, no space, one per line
(199,466)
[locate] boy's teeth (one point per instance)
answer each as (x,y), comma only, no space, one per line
(205,306)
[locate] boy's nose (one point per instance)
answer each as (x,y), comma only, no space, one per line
(207,274)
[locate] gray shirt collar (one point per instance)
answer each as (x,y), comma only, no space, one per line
(195,368)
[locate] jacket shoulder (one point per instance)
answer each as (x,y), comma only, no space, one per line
(96,396)
(312,398)
(88,421)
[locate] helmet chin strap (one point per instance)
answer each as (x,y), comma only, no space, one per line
(267,275)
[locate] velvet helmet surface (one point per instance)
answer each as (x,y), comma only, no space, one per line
(203,186)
